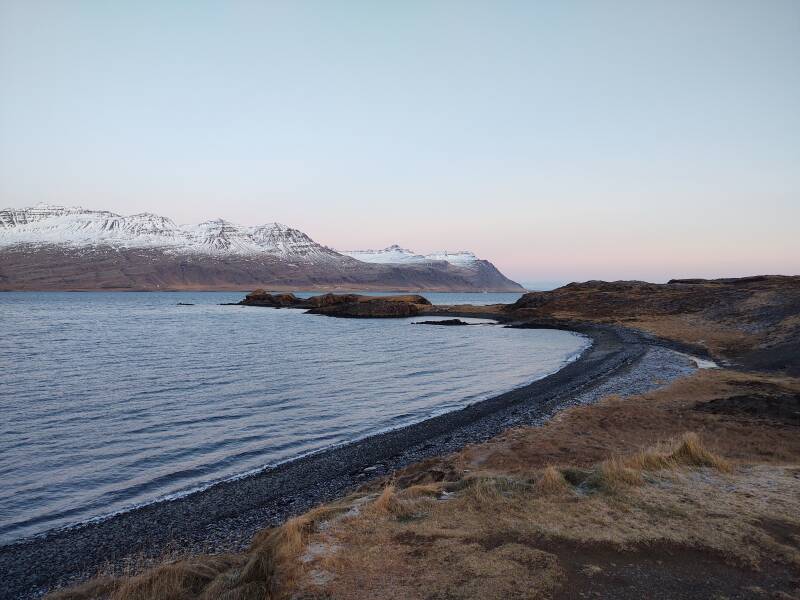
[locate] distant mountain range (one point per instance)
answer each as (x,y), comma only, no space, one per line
(65,248)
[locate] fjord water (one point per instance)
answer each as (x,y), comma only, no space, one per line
(111,400)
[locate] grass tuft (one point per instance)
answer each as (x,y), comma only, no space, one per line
(692,452)
(488,490)
(686,451)
(409,504)
(551,482)
(386,502)
(614,474)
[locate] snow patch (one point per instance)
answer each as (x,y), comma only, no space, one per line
(78,227)
(396,255)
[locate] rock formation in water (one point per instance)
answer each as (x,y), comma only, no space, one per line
(343,305)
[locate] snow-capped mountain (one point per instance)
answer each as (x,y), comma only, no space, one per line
(55,247)
(77,227)
(396,254)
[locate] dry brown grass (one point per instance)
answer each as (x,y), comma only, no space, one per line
(386,502)
(587,435)
(495,538)
(267,571)
(179,580)
(551,482)
(622,476)
(692,452)
(720,339)
(522,515)
(687,451)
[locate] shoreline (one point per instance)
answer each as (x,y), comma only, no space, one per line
(255,472)
(250,288)
(225,515)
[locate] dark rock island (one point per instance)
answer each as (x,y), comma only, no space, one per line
(343,305)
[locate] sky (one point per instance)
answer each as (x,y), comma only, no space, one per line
(563,140)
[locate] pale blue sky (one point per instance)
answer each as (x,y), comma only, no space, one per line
(562,140)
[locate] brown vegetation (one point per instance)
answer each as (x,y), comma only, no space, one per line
(752,320)
(649,496)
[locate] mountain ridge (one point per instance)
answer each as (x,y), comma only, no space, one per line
(48,247)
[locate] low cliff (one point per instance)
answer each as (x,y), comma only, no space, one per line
(752,321)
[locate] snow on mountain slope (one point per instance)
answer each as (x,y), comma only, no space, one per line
(396,255)
(78,227)
(58,248)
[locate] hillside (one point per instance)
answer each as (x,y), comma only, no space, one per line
(61,248)
(751,321)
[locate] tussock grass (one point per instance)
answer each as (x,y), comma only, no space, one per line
(686,451)
(424,490)
(614,473)
(483,490)
(265,572)
(386,502)
(690,451)
(404,504)
(183,579)
(551,482)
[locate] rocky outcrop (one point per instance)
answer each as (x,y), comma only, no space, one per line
(444,322)
(752,321)
(761,300)
(331,300)
(376,308)
(263,298)
(355,305)
(343,305)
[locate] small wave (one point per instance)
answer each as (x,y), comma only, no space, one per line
(175,410)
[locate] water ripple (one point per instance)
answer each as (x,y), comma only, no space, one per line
(117,399)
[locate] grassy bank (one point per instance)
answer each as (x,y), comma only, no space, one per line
(691,491)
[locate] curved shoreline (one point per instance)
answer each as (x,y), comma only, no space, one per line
(226,515)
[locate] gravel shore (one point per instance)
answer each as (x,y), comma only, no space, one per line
(224,517)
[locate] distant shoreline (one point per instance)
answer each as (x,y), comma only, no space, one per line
(245,289)
(225,515)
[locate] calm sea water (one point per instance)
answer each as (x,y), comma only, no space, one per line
(111,400)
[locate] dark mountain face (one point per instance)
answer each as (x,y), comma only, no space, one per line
(105,268)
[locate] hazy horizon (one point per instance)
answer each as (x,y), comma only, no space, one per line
(561,141)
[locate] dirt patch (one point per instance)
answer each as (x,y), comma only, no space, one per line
(781,408)
(662,571)
(783,532)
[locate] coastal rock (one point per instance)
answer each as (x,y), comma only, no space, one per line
(331,299)
(369,309)
(356,305)
(446,322)
(263,298)
(343,305)
(750,321)
(334,299)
